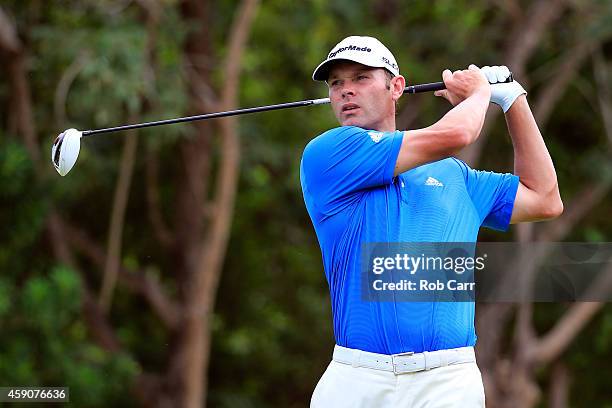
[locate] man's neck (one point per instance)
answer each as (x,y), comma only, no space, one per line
(386,126)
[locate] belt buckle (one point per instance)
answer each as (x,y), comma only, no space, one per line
(394,364)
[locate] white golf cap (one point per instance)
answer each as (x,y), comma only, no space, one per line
(364,50)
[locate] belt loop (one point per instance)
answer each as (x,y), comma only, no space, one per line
(427,368)
(356,358)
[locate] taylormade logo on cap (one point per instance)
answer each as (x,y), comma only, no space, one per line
(348,48)
(364,50)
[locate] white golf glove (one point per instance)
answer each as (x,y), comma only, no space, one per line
(502,94)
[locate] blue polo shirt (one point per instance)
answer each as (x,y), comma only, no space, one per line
(353,198)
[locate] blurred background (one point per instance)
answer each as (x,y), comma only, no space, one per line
(177,265)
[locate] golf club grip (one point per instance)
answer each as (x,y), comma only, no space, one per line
(438,86)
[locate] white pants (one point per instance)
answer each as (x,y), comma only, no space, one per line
(342,385)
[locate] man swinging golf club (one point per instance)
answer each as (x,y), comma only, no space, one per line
(368,182)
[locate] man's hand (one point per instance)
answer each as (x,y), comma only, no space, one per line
(462,84)
(470,92)
(502,94)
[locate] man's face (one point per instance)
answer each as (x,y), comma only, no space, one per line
(360,95)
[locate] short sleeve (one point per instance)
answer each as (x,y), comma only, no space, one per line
(493,195)
(346,160)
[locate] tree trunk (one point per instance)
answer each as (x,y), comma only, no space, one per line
(203,224)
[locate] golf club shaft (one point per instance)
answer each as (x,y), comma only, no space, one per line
(209,116)
(434,86)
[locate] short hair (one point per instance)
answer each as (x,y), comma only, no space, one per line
(388,77)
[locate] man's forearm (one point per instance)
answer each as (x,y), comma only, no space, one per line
(458,128)
(469,115)
(532,162)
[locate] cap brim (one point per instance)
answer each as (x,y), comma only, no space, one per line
(321,73)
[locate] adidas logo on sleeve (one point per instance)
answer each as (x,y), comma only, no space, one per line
(433,182)
(376,136)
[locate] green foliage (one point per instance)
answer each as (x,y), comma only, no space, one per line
(23,223)
(45,342)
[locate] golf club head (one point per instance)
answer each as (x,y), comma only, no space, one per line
(65,150)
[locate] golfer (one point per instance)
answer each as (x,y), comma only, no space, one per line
(366,182)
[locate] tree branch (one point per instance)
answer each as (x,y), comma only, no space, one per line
(194,354)
(99,327)
(521,45)
(591,195)
(526,36)
(565,72)
(510,7)
(21,103)
(9,41)
(603,92)
(579,207)
(206,97)
(559,386)
(160,229)
(525,333)
(152,11)
(214,246)
(139,282)
(560,337)
(63,86)
(122,190)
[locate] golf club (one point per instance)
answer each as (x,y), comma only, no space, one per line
(66,146)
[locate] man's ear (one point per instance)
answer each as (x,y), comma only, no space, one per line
(398,84)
